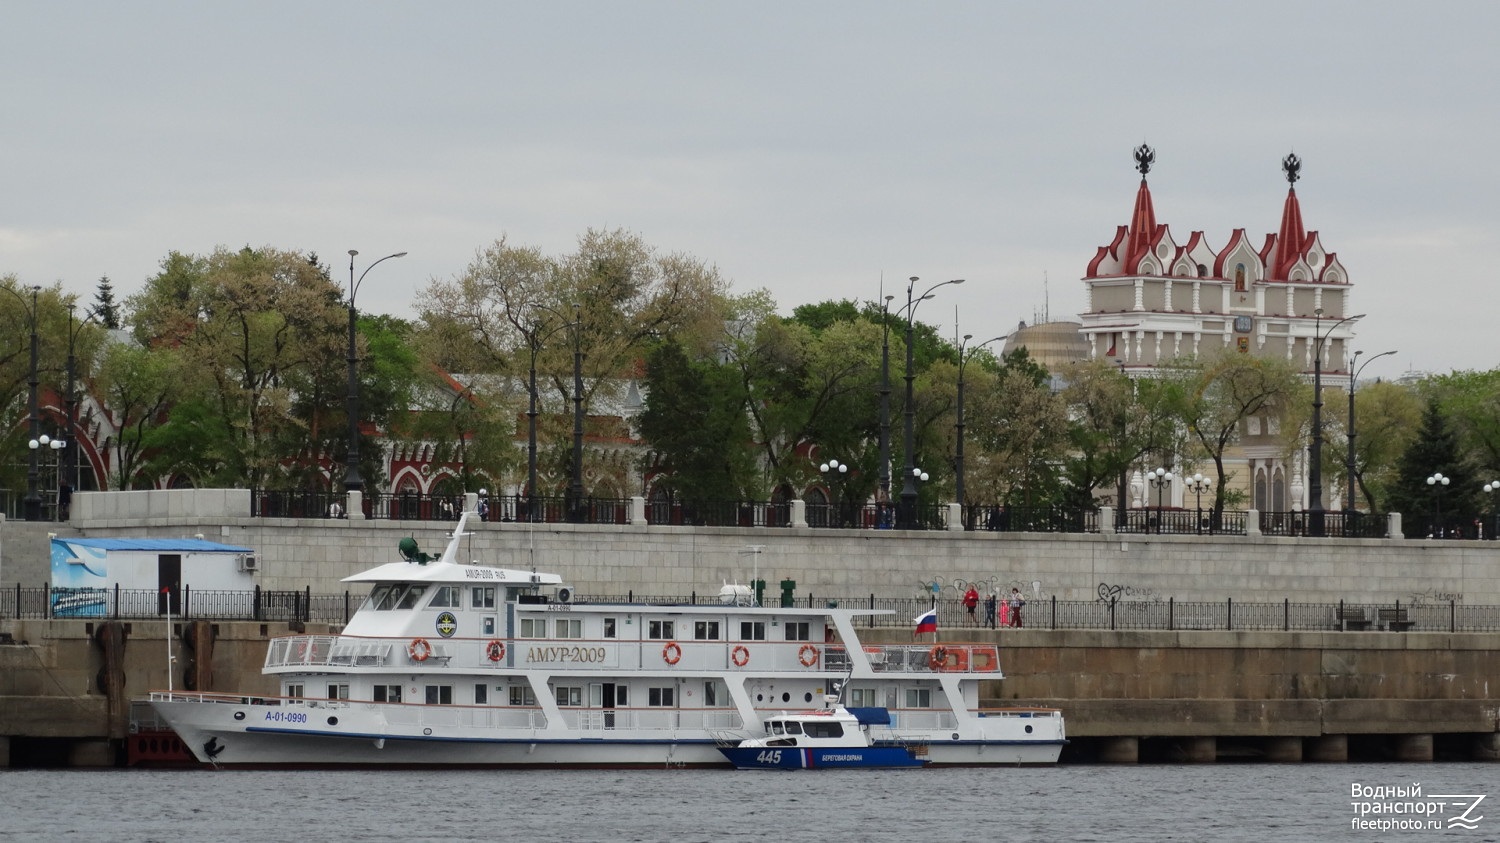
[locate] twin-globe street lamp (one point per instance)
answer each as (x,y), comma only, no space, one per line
(1160,480)
(1437,481)
(1349,466)
(352,481)
(33,501)
(1489,489)
(1315,471)
(906,513)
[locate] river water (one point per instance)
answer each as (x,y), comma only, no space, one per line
(1108,804)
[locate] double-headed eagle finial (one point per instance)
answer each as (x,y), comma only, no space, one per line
(1292,166)
(1144,156)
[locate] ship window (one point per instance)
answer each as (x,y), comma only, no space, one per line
(661,630)
(338,692)
(377,596)
(569,695)
(412,596)
(661,697)
(863,698)
(481,694)
(793,727)
(622,695)
(439,694)
(825,729)
(533,627)
(521,695)
(482,597)
(569,628)
(388,693)
(919,698)
(489,625)
(752,630)
(711,693)
(447,597)
(609,627)
(294,690)
(798,631)
(706,630)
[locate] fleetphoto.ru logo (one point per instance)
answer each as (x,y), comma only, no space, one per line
(1405,808)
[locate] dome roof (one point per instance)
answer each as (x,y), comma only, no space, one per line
(1051,344)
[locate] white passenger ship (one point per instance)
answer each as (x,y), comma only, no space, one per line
(449,664)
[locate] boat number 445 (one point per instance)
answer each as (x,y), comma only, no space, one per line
(770,756)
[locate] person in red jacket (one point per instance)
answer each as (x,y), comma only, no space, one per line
(971,602)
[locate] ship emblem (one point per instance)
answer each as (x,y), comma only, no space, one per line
(447,624)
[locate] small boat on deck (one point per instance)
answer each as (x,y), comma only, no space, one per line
(834,737)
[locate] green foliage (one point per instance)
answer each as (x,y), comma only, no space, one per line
(696,423)
(1424,506)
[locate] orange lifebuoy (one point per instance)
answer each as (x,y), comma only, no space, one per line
(671,654)
(495,650)
(419,649)
(740,655)
(937,658)
(808,655)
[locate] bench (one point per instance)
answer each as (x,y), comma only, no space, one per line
(1352,618)
(1393,619)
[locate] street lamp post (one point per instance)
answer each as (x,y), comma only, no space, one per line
(906,512)
(958,477)
(1437,481)
(1315,471)
(70,403)
(534,340)
(834,474)
(1198,484)
(1160,480)
(1489,489)
(33,501)
(575,485)
(883,502)
(352,481)
(1349,466)
(40,445)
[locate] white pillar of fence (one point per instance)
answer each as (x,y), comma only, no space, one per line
(955,518)
(1393,526)
(354,509)
(471,501)
(1252,522)
(1106,520)
(637,511)
(799,513)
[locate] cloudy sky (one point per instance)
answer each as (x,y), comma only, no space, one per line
(818,150)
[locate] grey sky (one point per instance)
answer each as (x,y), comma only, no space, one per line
(808,148)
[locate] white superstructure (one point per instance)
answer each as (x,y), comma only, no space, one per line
(447,664)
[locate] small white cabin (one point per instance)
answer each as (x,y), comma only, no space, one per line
(85,571)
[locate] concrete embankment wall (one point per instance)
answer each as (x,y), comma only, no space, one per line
(615,559)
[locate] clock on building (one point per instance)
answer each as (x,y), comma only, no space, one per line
(1243,324)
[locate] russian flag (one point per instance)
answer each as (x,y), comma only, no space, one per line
(927,622)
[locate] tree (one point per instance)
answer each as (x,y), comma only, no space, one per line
(1443,508)
(1021,428)
(1221,391)
(1113,423)
(138,387)
(695,421)
(259,328)
(105,309)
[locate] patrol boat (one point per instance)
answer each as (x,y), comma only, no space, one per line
(464,665)
(833,737)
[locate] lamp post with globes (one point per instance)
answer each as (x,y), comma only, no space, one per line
(353,482)
(883,499)
(1315,470)
(40,446)
(1490,489)
(1160,480)
(535,336)
(906,512)
(834,474)
(1198,484)
(1437,481)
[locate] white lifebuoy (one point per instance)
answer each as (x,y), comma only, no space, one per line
(808,655)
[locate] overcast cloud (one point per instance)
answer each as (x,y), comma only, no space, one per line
(813,149)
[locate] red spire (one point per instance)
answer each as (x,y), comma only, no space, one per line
(1142,228)
(1289,241)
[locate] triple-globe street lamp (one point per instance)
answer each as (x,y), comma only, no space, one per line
(1490,489)
(1198,484)
(1438,482)
(1160,480)
(835,474)
(906,513)
(353,482)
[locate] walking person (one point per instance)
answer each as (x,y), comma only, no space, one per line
(989,610)
(1016,602)
(971,602)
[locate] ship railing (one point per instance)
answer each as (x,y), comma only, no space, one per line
(605,719)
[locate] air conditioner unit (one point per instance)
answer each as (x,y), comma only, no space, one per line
(249,563)
(565,595)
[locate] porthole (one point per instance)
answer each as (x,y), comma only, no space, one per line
(1028,729)
(807,697)
(427,731)
(334,721)
(955,736)
(239,715)
(786,697)
(760,697)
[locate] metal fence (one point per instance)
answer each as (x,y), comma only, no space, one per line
(1049,613)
